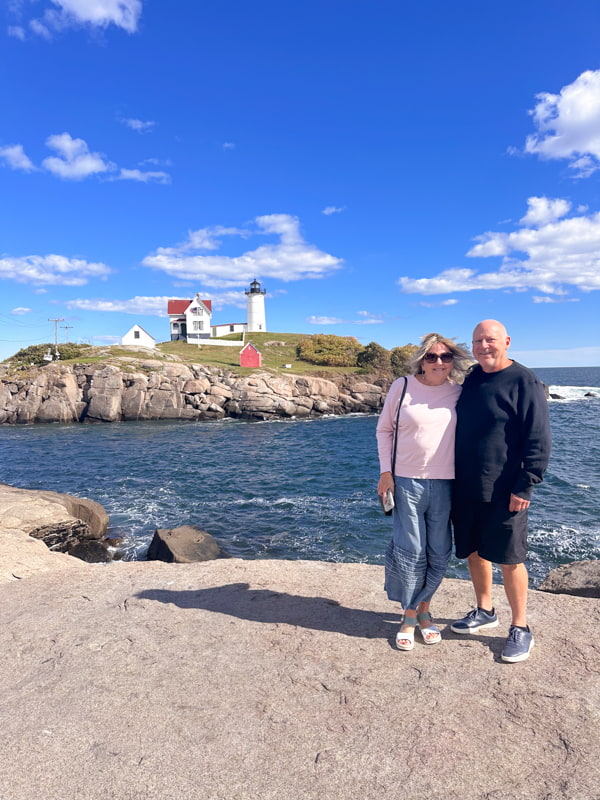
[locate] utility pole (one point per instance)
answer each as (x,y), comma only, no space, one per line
(56,321)
(66,328)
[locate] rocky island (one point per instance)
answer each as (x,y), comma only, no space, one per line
(147,389)
(237,680)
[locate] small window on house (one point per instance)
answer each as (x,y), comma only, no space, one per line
(136,334)
(231,330)
(175,326)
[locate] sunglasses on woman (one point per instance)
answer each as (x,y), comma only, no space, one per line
(431,358)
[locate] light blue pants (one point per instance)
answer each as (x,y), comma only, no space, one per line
(418,555)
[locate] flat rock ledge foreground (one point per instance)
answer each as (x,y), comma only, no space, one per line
(268,680)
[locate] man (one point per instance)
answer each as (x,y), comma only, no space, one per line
(502,451)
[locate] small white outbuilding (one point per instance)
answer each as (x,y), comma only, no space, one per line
(138,336)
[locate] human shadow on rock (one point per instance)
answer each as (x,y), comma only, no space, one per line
(495,644)
(265,605)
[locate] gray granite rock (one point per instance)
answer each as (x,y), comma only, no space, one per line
(25,514)
(580,578)
(183,545)
(278,680)
(159,390)
(240,680)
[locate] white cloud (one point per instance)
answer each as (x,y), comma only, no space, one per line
(156,306)
(51,270)
(143,177)
(74,160)
(584,167)
(543,210)
(202,239)
(557,254)
(568,124)
(157,162)
(440,304)
(40,29)
(324,320)
(17,32)
(329,210)
(228,145)
(236,299)
(139,125)
(547,299)
(15,157)
(18,312)
(65,14)
(151,306)
(450,280)
(290,259)
(366,319)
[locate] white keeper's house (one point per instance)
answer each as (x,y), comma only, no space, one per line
(191,320)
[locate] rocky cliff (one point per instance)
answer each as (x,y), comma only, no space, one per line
(152,390)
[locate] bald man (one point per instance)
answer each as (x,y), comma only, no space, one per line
(502,451)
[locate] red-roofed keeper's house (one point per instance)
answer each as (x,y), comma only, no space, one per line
(190,319)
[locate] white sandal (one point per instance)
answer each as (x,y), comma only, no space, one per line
(430,633)
(405,640)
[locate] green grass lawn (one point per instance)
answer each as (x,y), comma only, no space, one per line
(274,356)
(276,349)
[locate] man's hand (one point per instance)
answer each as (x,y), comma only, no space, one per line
(517,503)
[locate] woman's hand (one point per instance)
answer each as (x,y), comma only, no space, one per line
(386,481)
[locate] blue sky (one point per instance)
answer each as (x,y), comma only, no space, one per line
(385,169)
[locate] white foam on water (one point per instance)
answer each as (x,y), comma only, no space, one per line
(567,394)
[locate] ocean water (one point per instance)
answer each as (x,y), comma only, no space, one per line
(293,488)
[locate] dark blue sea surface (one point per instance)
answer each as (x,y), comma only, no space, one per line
(293,489)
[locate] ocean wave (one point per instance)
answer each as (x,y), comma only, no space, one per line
(567,394)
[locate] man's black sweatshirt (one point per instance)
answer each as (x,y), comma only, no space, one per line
(502,434)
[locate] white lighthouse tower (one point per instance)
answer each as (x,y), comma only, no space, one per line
(255,315)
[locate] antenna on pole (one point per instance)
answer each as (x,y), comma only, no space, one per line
(56,321)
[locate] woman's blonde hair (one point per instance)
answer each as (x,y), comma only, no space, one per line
(461,363)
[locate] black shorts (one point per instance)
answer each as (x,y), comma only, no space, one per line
(491,530)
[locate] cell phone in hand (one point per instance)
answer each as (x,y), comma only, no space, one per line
(387,502)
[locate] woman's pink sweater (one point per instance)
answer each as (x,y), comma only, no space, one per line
(426,428)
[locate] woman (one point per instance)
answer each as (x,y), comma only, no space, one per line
(421,480)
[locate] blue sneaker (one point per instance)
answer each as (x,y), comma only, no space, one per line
(518,645)
(475,621)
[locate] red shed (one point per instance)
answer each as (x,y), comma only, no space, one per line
(250,356)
